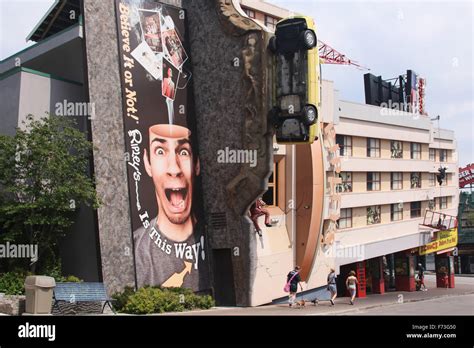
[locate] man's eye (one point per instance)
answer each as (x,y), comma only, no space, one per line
(159,151)
(184,153)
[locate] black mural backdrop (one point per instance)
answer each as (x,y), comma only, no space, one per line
(161,148)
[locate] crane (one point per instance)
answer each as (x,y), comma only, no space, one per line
(329,55)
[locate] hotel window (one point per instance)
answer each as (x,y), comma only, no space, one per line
(270,22)
(415,180)
(396,148)
(415,209)
(443,202)
(396,212)
(415,151)
(396,181)
(373,181)
(432,179)
(373,147)
(345,220)
(250,13)
(373,215)
(345,145)
(271,196)
(346,185)
(443,155)
(432,155)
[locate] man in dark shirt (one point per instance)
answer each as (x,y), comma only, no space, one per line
(294,279)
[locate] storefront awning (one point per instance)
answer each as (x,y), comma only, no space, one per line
(445,251)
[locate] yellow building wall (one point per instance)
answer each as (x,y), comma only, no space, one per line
(359,182)
(359,147)
(424,207)
(385,213)
(359,217)
(450,155)
(425,180)
(385,149)
(406,150)
(406,181)
(406,211)
(425,152)
(385,181)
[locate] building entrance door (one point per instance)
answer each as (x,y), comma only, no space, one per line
(224,288)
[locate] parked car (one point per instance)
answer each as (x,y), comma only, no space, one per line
(296,92)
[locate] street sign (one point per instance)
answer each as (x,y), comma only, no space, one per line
(446,239)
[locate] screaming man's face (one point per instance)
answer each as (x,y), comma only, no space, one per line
(172,167)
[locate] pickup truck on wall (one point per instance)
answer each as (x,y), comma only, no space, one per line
(296,92)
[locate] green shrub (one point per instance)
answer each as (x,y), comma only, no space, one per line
(70,279)
(121,298)
(143,301)
(56,273)
(13,283)
(149,300)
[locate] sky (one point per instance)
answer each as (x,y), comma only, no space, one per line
(433,38)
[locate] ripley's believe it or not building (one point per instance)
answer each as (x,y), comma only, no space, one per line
(195,82)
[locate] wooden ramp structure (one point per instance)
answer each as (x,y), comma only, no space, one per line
(439,221)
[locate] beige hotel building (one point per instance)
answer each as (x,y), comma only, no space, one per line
(388,161)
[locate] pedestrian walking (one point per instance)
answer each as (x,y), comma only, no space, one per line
(292,280)
(351,283)
(332,285)
(421,277)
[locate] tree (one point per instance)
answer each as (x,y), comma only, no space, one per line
(43,181)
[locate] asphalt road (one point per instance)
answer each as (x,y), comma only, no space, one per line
(451,305)
(435,301)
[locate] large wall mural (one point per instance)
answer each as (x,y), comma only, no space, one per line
(160,136)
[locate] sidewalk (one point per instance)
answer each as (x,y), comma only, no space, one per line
(342,304)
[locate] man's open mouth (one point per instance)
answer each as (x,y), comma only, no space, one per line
(176,196)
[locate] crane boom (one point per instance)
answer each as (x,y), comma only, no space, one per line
(329,55)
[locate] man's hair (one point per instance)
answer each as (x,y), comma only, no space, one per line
(352,273)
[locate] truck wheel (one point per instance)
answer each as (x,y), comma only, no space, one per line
(309,39)
(272,45)
(310,115)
